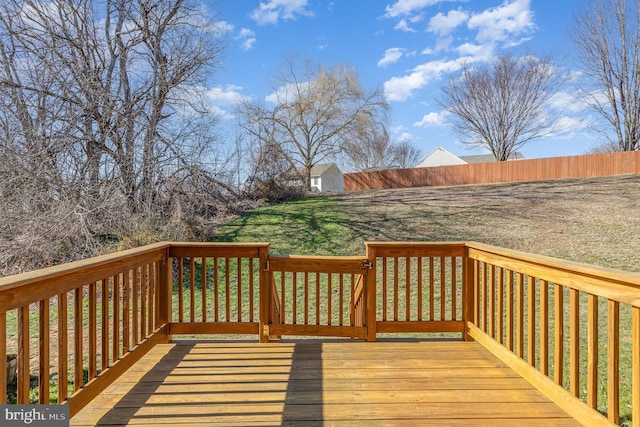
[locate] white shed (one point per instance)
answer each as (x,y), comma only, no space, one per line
(327,177)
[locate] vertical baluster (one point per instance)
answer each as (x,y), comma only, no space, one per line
(510,308)
(443,288)
(500,304)
(485,298)
(104,323)
(251,291)
(492,300)
(329,298)
(239,288)
(180,289)
(318,298)
(227,288)
(384,289)
(420,289)
(43,376)
(574,342)
(476,293)
(558,358)
(635,363)
(216,291)
(144,291)
(407,288)
(135,295)
(116,318)
(3,357)
(613,362)
(93,326)
(63,357)
(544,327)
(203,288)
(454,289)
(126,309)
(77,338)
(192,289)
(432,293)
(592,355)
(282,298)
(155,302)
(294,298)
(531,320)
(23,355)
(306,298)
(520,315)
(395,289)
(341,287)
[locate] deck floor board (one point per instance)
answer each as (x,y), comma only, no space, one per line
(321,383)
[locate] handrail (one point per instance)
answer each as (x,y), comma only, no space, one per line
(518,305)
(525,303)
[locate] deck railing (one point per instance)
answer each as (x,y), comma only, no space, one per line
(570,329)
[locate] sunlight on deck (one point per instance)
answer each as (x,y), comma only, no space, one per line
(321,383)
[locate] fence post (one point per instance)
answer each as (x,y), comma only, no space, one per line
(468,293)
(371,310)
(265,295)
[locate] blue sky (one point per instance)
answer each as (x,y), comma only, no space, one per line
(407,48)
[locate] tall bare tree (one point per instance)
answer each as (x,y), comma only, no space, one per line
(372,148)
(315,111)
(607,37)
(97,112)
(501,108)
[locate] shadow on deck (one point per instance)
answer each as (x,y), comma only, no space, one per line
(321,383)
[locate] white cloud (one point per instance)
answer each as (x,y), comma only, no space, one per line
(407,7)
(405,137)
(445,24)
(480,52)
(401,88)
(403,26)
(222,27)
(432,119)
(228,96)
(272,11)
(247,38)
(503,23)
(391,56)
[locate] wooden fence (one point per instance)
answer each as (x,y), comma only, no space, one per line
(586,166)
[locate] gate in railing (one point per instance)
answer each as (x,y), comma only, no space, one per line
(316,296)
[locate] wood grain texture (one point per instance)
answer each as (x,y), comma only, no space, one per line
(321,383)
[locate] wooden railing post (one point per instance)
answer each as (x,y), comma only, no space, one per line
(265,294)
(165,288)
(468,293)
(370,294)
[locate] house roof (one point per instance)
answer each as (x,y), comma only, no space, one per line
(318,170)
(486,158)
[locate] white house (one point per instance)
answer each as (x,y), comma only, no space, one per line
(441,157)
(327,177)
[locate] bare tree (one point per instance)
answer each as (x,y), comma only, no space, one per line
(373,149)
(315,111)
(607,37)
(501,108)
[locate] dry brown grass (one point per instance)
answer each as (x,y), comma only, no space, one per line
(587,220)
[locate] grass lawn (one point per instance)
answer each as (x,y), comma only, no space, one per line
(596,221)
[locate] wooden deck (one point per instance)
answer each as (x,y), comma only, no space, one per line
(321,383)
